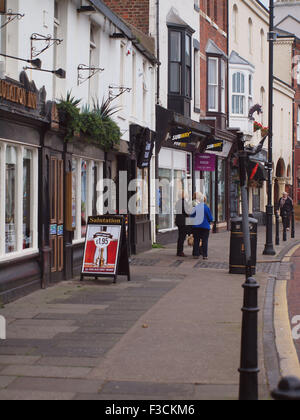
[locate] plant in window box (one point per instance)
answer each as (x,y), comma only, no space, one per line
(69,115)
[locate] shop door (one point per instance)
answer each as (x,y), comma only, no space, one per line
(56,217)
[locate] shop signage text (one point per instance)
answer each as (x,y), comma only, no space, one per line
(205,162)
(17,94)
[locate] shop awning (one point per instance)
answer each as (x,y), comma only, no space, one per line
(170,124)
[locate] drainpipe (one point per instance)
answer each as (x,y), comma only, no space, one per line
(158,50)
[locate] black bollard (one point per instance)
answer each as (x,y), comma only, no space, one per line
(293,224)
(288,389)
(284,222)
(249,349)
(277,228)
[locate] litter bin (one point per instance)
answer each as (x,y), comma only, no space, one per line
(237,263)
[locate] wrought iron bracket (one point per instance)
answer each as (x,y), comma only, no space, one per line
(10,17)
(82,68)
(120,91)
(47,39)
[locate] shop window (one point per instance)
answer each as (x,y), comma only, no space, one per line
(172,182)
(27,203)
(18,193)
(256,200)
(142,194)
(221,191)
(86,193)
(10,199)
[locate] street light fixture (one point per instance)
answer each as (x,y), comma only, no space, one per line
(60,73)
(269,249)
(36,63)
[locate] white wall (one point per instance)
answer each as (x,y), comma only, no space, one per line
(74,29)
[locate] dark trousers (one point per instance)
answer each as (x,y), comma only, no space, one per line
(183,231)
(199,234)
(286,219)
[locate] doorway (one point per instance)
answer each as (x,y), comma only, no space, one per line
(56,178)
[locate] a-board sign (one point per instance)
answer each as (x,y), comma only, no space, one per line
(105,251)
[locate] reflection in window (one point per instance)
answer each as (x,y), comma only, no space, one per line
(10,199)
(165,199)
(213,84)
(27,197)
(83,197)
(221,191)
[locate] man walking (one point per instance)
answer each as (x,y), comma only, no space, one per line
(286,206)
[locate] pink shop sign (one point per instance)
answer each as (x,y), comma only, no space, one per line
(205,162)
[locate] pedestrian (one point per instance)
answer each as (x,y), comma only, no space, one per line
(182,210)
(286,207)
(201,228)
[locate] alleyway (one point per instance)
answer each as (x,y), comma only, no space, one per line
(172,333)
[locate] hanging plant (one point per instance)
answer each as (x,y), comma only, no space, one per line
(96,124)
(264,130)
(69,115)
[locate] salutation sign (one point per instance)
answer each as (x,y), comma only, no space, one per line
(105,252)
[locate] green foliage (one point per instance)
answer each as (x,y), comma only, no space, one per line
(96,124)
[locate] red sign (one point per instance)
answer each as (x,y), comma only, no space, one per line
(105,252)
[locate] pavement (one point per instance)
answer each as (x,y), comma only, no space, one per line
(172,333)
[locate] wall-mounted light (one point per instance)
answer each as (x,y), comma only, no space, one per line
(60,73)
(36,63)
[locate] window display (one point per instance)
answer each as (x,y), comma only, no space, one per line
(221,191)
(27,225)
(10,199)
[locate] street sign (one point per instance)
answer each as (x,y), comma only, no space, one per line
(261,157)
(105,252)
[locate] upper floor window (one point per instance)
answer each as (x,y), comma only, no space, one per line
(250,35)
(180,67)
(238,93)
(262,45)
(235,22)
(216,76)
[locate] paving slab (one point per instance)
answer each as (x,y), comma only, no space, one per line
(46,371)
(13,395)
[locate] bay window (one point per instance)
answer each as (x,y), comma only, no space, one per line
(19,195)
(180,70)
(238,93)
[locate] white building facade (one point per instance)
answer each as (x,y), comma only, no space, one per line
(97,58)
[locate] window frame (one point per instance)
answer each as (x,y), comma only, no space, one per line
(19,198)
(183,65)
(221,90)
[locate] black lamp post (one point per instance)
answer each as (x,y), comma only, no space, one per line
(269,249)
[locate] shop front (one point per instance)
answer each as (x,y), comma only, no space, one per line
(179,139)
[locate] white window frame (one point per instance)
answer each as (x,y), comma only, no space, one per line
(20,252)
(89,204)
(239,93)
(213,85)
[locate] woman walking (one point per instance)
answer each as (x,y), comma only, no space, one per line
(201,228)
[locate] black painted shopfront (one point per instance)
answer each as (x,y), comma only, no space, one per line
(49,188)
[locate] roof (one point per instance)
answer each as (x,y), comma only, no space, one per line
(212,48)
(142,42)
(235,58)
